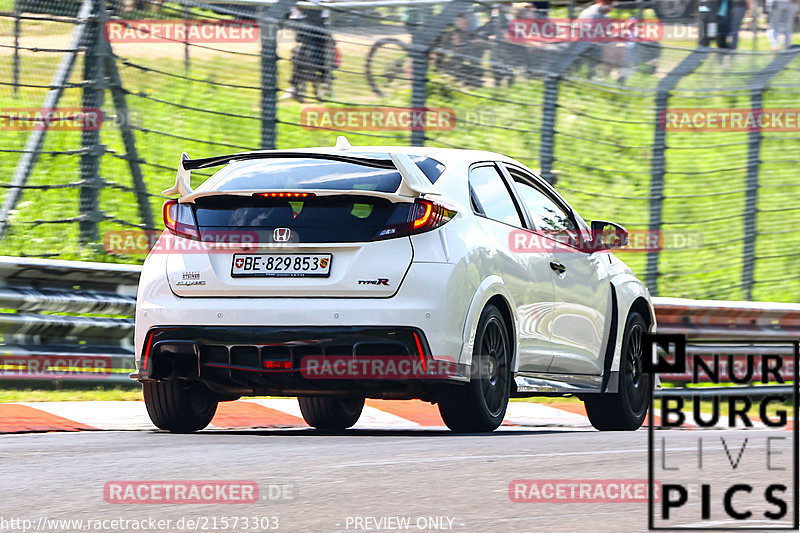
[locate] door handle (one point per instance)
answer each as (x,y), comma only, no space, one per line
(558,267)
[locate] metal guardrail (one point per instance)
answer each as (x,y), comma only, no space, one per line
(713,319)
(66,320)
(73,320)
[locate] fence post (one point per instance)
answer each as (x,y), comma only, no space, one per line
(17,31)
(757,87)
(549,105)
(269,20)
(658,164)
(186,15)
(36,139)
(423,41)
(126,129)
(93,91)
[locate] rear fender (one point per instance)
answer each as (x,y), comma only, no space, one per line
(488,288)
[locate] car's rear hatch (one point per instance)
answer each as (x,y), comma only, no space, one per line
(295,228)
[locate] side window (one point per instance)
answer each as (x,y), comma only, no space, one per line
(493,195)
(545,213)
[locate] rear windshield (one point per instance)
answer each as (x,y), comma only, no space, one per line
(304,174)
(347,218)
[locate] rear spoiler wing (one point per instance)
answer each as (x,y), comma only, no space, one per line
(413,183)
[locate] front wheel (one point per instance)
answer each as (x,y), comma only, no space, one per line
(480,406)
(625,410)
(330,413)
(179,406)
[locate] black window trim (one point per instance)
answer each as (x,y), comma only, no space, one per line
(546,189)
(515,195)
(521,213)
(477,208)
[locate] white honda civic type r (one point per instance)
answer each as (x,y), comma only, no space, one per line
(345,273)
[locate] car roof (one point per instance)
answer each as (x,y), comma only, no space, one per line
(444,155)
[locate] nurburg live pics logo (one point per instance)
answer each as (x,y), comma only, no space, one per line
(745,479)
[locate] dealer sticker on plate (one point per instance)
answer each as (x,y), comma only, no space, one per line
(281,265)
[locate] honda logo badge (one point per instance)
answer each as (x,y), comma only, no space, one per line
(281,234)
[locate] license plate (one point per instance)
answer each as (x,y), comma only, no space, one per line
(281,265)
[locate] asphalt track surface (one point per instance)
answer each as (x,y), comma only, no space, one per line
(360,473)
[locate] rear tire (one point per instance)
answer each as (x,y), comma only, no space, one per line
(480,406)
(179,406)
(330,413)
(625,410)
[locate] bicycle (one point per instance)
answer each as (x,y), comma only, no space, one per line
(459,51)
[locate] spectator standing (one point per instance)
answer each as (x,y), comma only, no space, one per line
(310,57)
(715,22)
(781,22)
(738,10)
(724,20)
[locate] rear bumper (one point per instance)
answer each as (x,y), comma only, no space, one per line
(244,360)
(432,300)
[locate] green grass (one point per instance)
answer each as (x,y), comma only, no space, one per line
(604,134)
(57,392)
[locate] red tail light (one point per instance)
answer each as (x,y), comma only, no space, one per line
(427,215)
(419,217)
(148,344)
(179,219)
(420,352)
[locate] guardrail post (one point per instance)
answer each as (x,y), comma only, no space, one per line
(36,139)
(423,40)
(658,164)
(92,101)
(269,20)
(757,87)
(550,105)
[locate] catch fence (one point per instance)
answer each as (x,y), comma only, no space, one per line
(591,117)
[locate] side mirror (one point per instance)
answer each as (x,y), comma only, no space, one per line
(607,235)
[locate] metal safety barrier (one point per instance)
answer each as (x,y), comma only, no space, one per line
(732,331)
(66,320)
(72,320)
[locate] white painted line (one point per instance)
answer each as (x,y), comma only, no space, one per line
(100,414)
(371,418)
(286,405)
(542,415)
